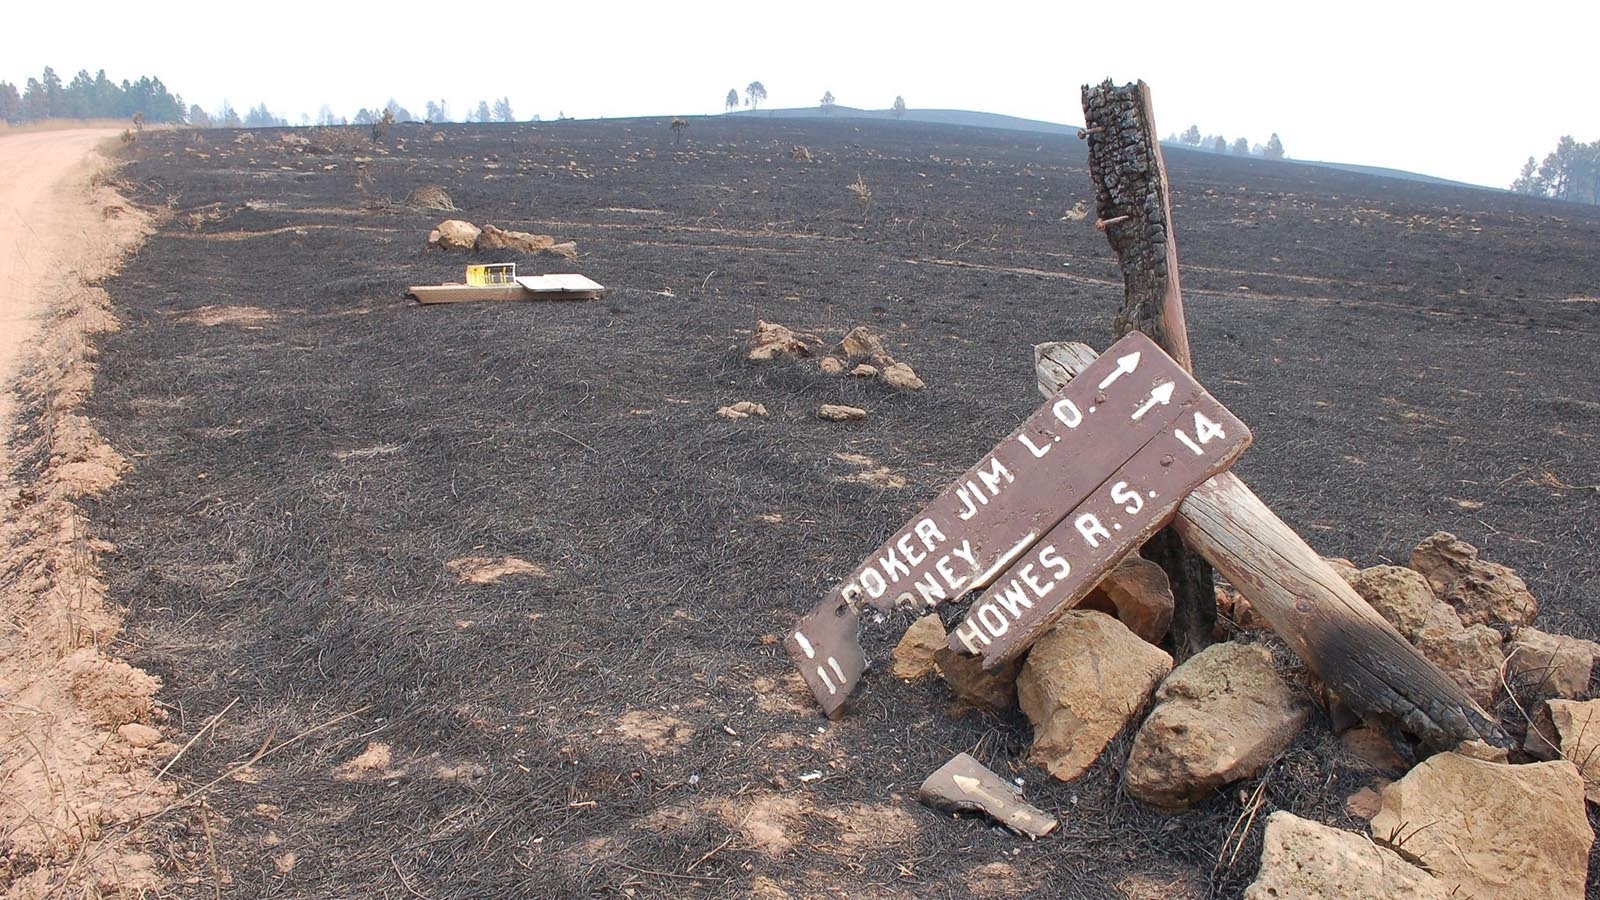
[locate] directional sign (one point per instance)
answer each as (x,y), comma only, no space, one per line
(1002,506)
(1132,504)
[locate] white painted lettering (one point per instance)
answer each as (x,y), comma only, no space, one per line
(1067,413)
(930,589)
(890,563)
(1026,574)
(850,593)
(928,530)
(1033,448)
(993,619)
(874,583)
(971,509)
(913,555)
(1014,599)
(1130,499)
(1050,559)
(945,572)
(1088,525)
(992,479)
(965,552)
(970,635)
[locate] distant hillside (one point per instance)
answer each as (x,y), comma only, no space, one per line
(969,119)
(962,117)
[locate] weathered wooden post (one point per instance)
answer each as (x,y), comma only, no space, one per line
(1353,649)
(1131,203)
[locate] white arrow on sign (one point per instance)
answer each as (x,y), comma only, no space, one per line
(1161,393)
(972,787)
(1125,365)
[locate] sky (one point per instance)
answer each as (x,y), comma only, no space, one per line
(1462,90)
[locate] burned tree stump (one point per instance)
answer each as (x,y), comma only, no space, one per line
(1130,183)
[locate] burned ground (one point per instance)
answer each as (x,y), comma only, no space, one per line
(312,452)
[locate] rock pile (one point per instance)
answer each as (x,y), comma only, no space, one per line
(860,353)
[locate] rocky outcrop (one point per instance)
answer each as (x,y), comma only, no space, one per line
(1302,860)
(1491,831)
(1482,592)
(1219,717)
(1082,683)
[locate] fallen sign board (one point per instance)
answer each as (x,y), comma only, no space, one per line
(1067,453)
(525,287)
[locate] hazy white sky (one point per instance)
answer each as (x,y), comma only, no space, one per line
(1462,90)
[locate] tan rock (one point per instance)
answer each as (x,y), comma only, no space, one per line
(836,413)
(1219,717)
(1233,607)
(138,735)
(1138,594)
(565,250)
(1491,831)
(453,234)
(492,238)
(1541,740)
(1577,727)
(861,343)
(831,365)
(1344,567)
(744,409)
(995,691)
(1365,803)
(1302,860)
(1472,656)
(1550,665)
(865,370)
(774,341)
(1482,592)
(1484,751)
(1402,596)
(1082,683)
(1374,748)
(901,377)
(913,656)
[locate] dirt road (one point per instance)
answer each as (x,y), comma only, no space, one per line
(44,176)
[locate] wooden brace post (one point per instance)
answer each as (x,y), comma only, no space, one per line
(1353,649)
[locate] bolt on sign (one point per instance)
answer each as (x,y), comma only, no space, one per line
(1039,520)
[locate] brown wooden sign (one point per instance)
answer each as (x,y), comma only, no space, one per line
(1001,507)
(1135,502)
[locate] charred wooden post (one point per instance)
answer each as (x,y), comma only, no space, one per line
(1353,649)
(1131,204)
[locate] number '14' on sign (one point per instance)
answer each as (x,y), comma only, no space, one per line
(1204,429)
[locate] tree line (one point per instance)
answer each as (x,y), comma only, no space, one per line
(1570,172)
(89,97)
(1216,143)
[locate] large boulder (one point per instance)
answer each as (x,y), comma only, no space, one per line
(1577,729)
(1082,683)
(454,234)
(1138,593)
(1471,656)
(1403,597)
(1491,831)
(1221,716)
(1302,860)
(1482,592)
(1550,665)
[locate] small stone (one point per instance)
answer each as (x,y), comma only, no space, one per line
(1365,803)
(1219,717)
(913,656)
(1303,860)
(1470,656)
(836,413)
(901,377)
(1489,830)
(1483,751)
(1482,592)
(861,343)
(830,365)
(138,735)
(995,691)
(1138,593)
(774,341)
(1550,665)
(1374,748)
(744,409)
(1083,681)
(865,370)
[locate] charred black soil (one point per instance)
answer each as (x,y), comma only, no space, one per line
(312,451)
